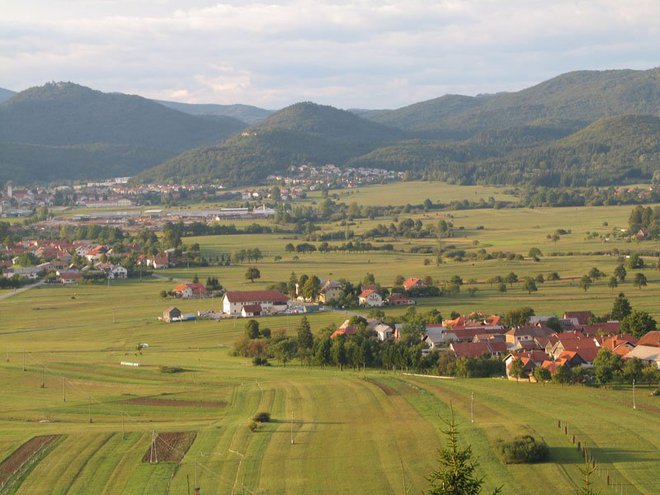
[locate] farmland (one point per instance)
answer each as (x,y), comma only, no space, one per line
(331,431)
(370,431)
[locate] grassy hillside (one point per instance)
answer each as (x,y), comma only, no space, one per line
(352,432)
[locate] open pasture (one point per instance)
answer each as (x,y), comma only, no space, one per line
(372,432)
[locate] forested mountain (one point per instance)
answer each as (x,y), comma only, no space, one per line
(611,150)
(301,133)
(245,113)
(5,94)
(587,127)
(576,129)
(125,134)
(583,96)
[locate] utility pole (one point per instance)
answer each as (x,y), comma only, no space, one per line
(196,483)
(634,403)
(63,389)
(24,361)
(123,428)
(43,376)
(90,410)
(472,408)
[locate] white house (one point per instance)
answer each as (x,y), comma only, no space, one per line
(648,354)
(370,297)
(118,271)
(384,332)
(270,301)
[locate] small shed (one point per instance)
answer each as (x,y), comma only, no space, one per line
(171,314)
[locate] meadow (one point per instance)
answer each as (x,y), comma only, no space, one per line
(331,431)
(353,432)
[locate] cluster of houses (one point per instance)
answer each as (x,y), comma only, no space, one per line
(315,177)
(534,344)
(371,296)
(58,256)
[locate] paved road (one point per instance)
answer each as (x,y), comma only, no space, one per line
(22,289)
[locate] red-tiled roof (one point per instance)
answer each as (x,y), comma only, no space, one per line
(256,295)
(252,308)
(582,317)
(651,338)
(607,328)
(344,330)
(470,349)
(366,293)
(411,283)
(197,288)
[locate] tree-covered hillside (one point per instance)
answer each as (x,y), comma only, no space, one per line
(5,94)
(125,134)
(582,96)
(301,133)
(245,113)
(611,150)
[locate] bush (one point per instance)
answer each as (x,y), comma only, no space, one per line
(253,426)
(262,417)
(171,369)
(522,450)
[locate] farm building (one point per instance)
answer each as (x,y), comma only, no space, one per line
(270,301)
(171,314)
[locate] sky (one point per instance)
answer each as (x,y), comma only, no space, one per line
(349,54)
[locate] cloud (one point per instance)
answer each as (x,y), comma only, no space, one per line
(361,53)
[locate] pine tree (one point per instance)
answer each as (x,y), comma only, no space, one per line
(457,472)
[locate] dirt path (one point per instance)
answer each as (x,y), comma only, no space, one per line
(22,289)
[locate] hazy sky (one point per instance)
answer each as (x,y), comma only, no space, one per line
(366,54)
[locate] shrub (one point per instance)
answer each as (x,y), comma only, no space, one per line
(262,417)
(253,426)
(523,450)
(171,369)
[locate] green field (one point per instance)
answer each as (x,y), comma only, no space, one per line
(353,432)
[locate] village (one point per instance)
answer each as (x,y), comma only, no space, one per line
(533,348)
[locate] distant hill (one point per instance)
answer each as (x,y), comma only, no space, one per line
(611,150)
(5,94)
(125,134)
(579,128)
(582,96)
(245,113)
(301,133)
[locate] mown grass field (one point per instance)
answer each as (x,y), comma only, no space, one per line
(353,432)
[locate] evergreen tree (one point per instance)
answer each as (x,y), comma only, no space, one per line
(456,474)
(305,339)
